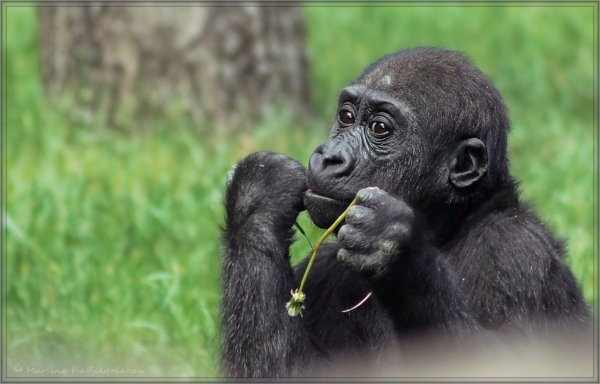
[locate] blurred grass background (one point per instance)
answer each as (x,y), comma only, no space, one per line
(112,253)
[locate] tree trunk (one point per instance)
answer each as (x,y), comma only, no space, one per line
(225,66)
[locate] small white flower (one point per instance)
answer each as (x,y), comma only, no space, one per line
(296,304)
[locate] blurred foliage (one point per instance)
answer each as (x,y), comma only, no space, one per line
(112,253)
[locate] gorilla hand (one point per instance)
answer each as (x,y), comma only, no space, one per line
(369,248)
(262,201)
(268,186)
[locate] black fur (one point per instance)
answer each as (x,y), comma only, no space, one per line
(445,244)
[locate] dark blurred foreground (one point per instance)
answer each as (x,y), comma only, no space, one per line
(562,356)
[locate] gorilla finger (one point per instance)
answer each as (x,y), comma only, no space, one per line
(397,230)
(358,215)
(351,238)
(370,197)
(366,264)
(349,259)
(388,247)
(378,264)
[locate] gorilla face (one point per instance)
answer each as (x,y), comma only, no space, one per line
(420,125)
(369,141)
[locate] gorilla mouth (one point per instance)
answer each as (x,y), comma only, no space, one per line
(323,210)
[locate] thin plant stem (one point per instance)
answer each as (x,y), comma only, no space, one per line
(327,233)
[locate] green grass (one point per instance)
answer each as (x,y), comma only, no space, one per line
(112,253)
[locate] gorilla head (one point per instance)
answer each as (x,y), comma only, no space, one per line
(425,125)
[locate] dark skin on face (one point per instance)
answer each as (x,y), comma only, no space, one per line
(370,125)
(370,141)
(374,141)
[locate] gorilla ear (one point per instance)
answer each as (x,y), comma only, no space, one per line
(469,163)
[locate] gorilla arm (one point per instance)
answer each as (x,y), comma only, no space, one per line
(262,202)
(513,268)
(384,241)
(504,271)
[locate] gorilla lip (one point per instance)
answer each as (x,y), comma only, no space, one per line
(311,193)
(323,210)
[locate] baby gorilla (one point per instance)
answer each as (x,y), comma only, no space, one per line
(444,243)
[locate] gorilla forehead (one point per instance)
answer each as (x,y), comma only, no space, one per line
(429,72)
(444,89)
(423,62)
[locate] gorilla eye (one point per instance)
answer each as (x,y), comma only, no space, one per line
(379,127)
(346,117)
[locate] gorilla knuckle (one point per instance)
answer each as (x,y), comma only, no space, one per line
(370,196)
(343,233)
(344,256)
(396,230)
(357,214)
(407,212)
(378,264)
(265,181)
(351,238)
(397,210)
(353,260)
(367,265)
(268,161)
(388,246)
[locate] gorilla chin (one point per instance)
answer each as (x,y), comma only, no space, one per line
(323,211)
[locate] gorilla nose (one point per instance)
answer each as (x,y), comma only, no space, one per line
(331,160)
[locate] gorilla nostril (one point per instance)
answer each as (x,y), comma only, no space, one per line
(332,162)
(337,166)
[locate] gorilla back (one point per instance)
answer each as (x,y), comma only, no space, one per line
(445,245)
